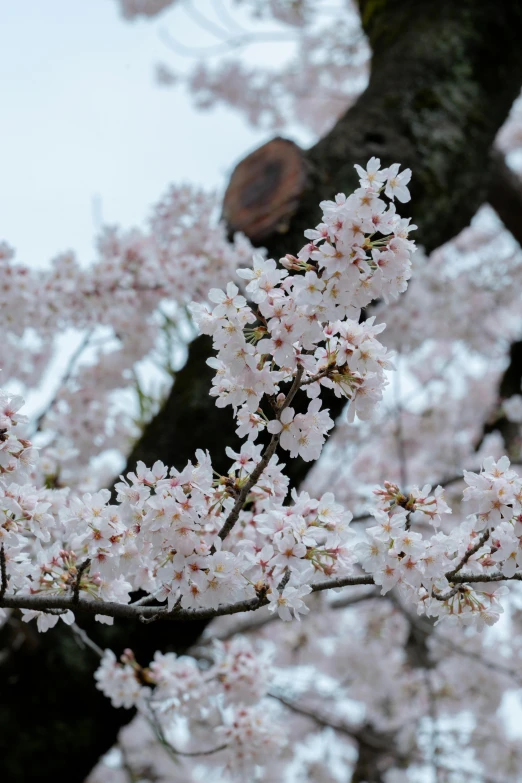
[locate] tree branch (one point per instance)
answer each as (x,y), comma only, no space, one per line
(262,464)
(43,603)
(470,552)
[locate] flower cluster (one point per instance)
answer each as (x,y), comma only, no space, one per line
(301,323)
(306,541)
(24,509)
(175,522)
(16,453)
(197,541)
(147,276)
(199,544)
(162,537)
(223,703)
(326,72)
(431,572)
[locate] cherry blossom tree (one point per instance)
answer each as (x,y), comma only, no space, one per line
(354,622)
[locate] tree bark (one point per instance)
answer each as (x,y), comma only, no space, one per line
(505,195)
(444,77)
(510,384)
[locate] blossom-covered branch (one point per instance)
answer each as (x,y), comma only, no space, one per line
(204,545)
(43,603)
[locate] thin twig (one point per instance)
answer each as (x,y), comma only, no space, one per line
(362,734)
(225,47)
(80,572)
(195,753)
(454,479)
(147,599)
(3,573)
(253,622)
(227,19)
(429,630)
(64,381)
(172,751)
(206,24)
(470,552)
(284,581)
(86,640)
(321,374)
(446,596)
(262,464)
(313,714)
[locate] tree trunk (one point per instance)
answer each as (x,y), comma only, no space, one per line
(444,77)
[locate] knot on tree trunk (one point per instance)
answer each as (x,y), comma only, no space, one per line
(265,189)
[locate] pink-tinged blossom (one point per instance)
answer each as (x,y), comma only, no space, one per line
(285,428)
(288,601)
(373,176)
(396,183)
(119,682)
(229,302)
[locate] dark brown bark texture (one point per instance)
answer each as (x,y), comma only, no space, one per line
(510,384)
(444,76)
(505,195)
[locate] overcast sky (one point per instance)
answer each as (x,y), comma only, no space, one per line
(84,124)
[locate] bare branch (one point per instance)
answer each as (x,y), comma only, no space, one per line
(321,720)
(225,46)
(221,33)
